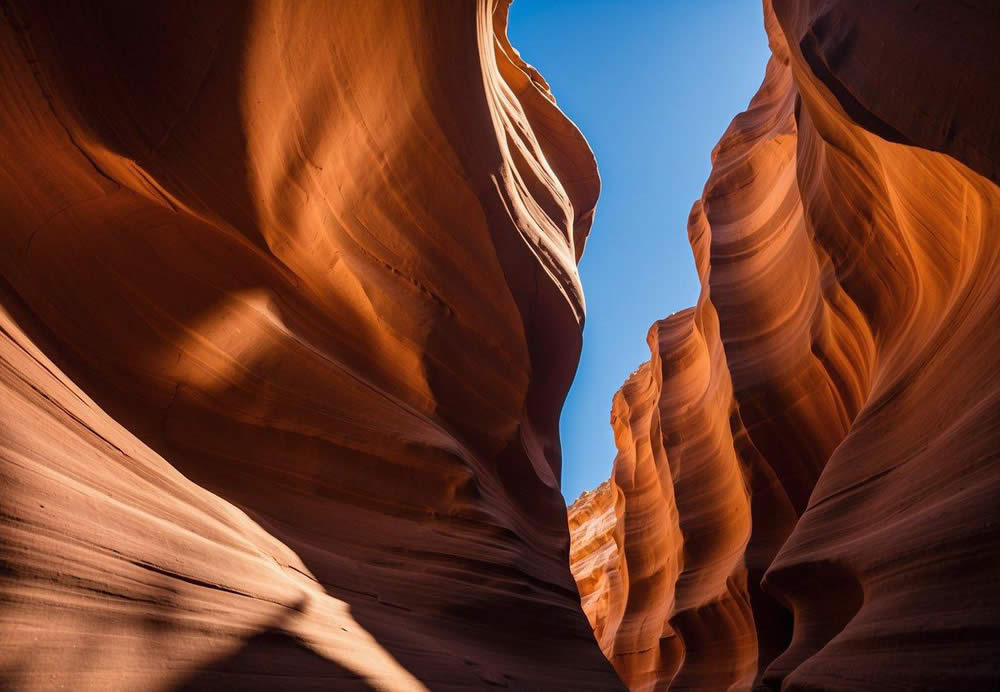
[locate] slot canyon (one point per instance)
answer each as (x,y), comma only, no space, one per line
(290,306)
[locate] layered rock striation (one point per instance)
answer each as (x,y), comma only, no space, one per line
(289,308)
(805,492)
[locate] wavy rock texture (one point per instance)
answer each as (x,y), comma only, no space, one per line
(836,387)
(289,308)
(658,550)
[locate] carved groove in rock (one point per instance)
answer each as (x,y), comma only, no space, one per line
(827,419)
(289,309)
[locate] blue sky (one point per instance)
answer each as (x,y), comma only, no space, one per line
(652,84)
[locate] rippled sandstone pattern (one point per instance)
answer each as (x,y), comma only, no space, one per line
(289,308)
(827,419)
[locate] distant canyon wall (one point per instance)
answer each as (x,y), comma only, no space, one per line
(806,490)
(289,306)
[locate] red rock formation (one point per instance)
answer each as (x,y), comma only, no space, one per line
(658,551)
(289,308)
(846,347)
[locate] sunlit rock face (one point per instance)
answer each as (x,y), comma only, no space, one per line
(288,312)
(826,422)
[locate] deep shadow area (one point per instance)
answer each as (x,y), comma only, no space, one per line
(270,661)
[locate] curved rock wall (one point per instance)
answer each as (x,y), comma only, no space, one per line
(843,358)
(289,308)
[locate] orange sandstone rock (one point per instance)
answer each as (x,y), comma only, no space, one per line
(845,346)
(289,309)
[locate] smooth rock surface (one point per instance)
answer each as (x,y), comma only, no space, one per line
(288,312)
(826,422)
